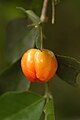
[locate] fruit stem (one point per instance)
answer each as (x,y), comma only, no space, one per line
(47,92)
(46,88)
(41,37)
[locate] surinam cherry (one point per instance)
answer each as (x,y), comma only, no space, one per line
(39,65)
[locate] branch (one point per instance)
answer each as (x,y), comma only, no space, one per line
(44,10)
(53,11)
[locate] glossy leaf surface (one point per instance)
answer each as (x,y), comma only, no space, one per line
(12,79)
(21,106)
(19,39)
(68,69)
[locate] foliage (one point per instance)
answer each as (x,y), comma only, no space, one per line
(21,37)
(14,106)
(49,110)
(69,69)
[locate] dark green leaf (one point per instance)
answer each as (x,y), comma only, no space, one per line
(12,79)
(49,110)
(68,69)
(19,39)
(32,16)
(21,106)
(35,19)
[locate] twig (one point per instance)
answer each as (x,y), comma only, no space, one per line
(44,10)
(53,11)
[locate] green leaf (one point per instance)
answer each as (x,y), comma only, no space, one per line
(12,79)
(21,106)
(49,110)
(32,16)
(68,69)
(19,39)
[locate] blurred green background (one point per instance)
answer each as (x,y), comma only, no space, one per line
(63,38)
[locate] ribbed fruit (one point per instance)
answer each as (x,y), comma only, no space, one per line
(39,65)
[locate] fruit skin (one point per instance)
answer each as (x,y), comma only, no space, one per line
(39,65)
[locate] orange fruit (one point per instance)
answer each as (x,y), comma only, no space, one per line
(39,65)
